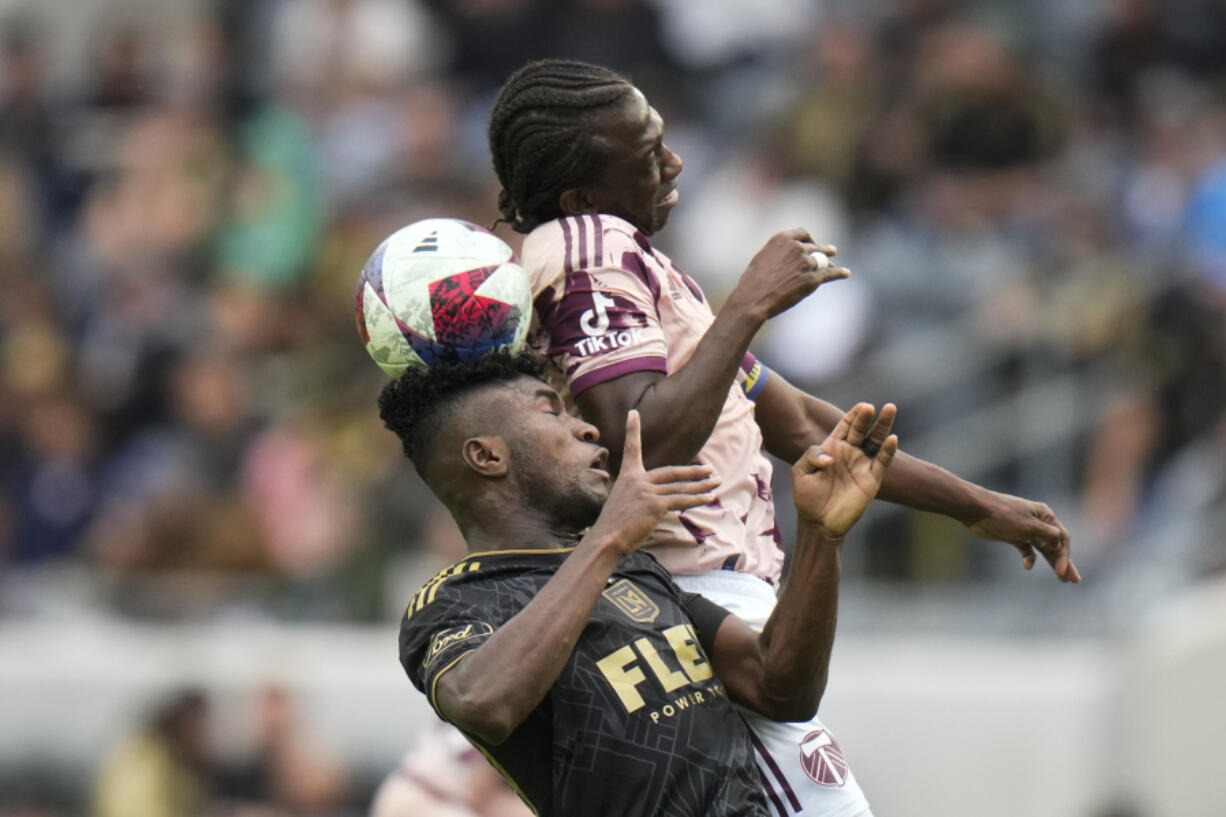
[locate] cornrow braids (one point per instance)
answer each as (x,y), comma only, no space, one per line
(542,135)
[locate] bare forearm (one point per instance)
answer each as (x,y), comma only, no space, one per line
(496,687)
(679,411)
(921,485)
(799,636)
(910,481)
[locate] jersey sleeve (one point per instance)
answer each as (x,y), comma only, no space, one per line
(436,637)
(707,617)
(603,322)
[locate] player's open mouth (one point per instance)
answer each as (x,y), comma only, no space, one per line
(670,198)
(598,463)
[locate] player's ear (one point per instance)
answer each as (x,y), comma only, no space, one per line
(488,456)
(576,201)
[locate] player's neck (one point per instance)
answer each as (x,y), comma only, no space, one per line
(519,532)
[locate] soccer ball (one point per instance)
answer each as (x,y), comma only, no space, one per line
(441,289)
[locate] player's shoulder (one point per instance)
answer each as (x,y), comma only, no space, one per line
(583,242)
(644,565)
(447,585)
(476,577)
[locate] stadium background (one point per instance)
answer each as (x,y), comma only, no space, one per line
(197,494)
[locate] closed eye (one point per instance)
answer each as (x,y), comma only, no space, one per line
(549,402)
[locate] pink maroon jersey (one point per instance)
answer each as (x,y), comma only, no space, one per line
(608,304)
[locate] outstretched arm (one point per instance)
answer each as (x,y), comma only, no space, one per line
(496,686)
(792,420)
(781,673)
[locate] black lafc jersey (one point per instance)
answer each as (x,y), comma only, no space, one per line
(637,725)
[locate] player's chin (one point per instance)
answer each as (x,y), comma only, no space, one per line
(662,212)
(586,505)
(600,484)
(596,493)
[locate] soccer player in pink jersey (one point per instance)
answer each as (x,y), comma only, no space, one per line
(586,174)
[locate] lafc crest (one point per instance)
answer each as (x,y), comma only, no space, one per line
(632,601)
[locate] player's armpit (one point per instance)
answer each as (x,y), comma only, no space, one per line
(733,648)
(707,617)
(739,661)
(790,419)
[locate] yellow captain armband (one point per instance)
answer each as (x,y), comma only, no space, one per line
(756,375)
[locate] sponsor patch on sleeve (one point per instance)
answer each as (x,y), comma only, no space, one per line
(443,640)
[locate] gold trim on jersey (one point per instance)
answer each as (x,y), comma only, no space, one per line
(429,590)
(497,766)
(517,550)
(441,673)
(506,776)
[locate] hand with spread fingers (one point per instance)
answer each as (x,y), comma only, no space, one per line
(834,482)
(1028,526)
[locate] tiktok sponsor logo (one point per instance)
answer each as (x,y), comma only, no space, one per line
(607,342)
(602,335)
(595,321)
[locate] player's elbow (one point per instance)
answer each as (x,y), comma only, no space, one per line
(492,731)
(490,719)
(791,705)
(491,725)
(801,709)
(795,710)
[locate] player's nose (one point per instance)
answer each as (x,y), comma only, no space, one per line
(586,432)
(672,163)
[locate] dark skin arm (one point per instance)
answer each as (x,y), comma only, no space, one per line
(496,686)
(781,673)
(792,420)
(782,273)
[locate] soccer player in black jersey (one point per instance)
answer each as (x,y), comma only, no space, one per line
(566,655)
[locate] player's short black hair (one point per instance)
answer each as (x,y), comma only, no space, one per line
(416,405)
(543,138)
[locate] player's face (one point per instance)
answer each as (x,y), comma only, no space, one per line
(640,182)
(556,457)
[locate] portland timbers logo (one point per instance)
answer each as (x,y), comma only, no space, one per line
(822,759)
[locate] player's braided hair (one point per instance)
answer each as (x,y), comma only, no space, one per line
(543,135)
(416,405)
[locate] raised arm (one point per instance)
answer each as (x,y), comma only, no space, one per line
(792,420)
(492,689)
(679,410)
(781,673)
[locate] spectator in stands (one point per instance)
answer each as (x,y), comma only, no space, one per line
(163,769)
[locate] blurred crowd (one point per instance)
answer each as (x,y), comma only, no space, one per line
(1028,194)
(186,196)
(171,763)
